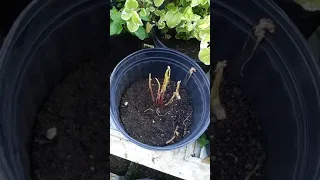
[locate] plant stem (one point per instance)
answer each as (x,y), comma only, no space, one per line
(175,94)
(150,88)
(165,83)
(158,94)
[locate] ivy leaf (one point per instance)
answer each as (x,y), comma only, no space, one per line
(141,33)
(173,19)
(204,55)
(131,4)
(115,28)
(158,3)
(126,14)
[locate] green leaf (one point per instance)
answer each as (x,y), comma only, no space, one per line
(172,7)
(135,18)
(126,14)
(131,4)
(204,55)
(158,3)
(132,27)
(173,19)
(115,16)
(204,23)
(141,33)
(203,141)
(143,12)
(159,13)
(161,24)
(195,3)
(203,2)
(145,18)
(115,28)
(149,27)
(150,9)
(205,41)
(185,3)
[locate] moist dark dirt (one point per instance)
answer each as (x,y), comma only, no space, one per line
(142,121)
(237,147)
(190,47)
(79,109)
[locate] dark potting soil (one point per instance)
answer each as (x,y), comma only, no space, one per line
(238,148)
(191,47)
(151,124)
(79,110)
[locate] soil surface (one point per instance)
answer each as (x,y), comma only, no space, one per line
(151,124)
(79,110)
(191,47)
(237,142)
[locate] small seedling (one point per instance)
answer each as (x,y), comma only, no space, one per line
(264,26)
(191,71)
(216,106)
(159,100)
(203,141)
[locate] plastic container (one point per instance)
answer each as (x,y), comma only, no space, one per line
(139,64)
(46,42)
(282,81)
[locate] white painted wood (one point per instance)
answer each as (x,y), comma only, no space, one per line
(177,163)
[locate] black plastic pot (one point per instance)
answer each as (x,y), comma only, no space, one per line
(282,80)
(156,36)
(155,60)
(46,43)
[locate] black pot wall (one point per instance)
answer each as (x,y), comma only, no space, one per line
(282,81)
(46,43)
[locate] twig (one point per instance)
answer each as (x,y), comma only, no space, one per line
(158,112)
(186,119)
(216,106)
(175,134)
(253,171)
(150,88)
(149,109)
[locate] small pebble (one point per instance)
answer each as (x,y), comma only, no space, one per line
(126,103)
(51,133)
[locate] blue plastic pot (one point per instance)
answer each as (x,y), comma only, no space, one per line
(139,64)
